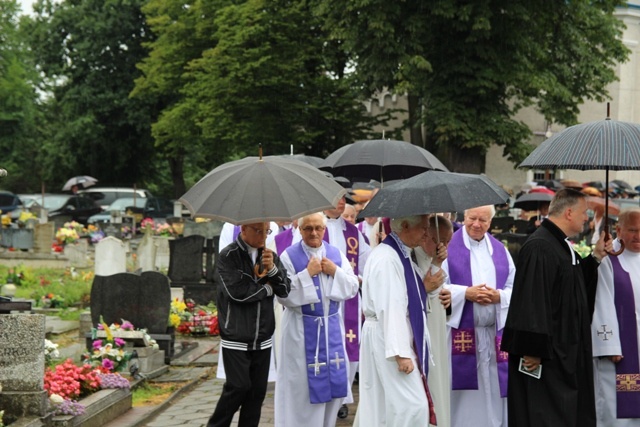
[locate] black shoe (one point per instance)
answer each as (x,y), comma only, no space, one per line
(343,411)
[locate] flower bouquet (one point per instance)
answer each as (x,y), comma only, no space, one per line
(109,352)
(199,320)
(582,249)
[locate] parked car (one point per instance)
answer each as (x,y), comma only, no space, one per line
(140,208)
(107,195)
(62,208)
(9,202)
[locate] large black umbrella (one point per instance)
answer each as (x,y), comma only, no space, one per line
(434,191)
(257,189)
(382,160)
(532,201)
(602,145)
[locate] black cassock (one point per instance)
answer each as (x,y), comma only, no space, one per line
(549,317)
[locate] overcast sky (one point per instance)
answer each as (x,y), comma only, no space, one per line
(26,5)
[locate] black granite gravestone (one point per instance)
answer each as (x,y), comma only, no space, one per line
(144,300)
(191,267)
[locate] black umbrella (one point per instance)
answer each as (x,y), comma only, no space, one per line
(532,201)
(434,191)
(602,145)
(382,160)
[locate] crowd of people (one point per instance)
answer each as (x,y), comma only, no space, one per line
(435,319)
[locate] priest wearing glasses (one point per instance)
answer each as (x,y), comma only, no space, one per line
(313,376)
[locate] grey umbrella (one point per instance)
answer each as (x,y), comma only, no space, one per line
(532,201)
(311,160)
(380,159)
(434,191)
(602,145)
(257,189)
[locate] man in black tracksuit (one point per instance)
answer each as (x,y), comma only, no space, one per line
(246,318)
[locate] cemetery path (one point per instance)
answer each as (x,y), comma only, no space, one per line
(195,402)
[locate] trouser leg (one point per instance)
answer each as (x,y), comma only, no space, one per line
(259,374)
(238,384)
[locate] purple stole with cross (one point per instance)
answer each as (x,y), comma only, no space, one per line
(326,367)
(283,240)
(464,368)
(628,369)
(351,306)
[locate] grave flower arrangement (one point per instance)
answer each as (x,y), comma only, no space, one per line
(95,233)
(109,352)
(177,311)
(66,235)
(50,352)
(52,300)
(199,320)
(160,229)
(69,381)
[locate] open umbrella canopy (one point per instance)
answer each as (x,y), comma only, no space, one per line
(382,160)
(310,160)
(598,204)
(82,181)
(605,144)
(532,201)
(257,189)
(434,191)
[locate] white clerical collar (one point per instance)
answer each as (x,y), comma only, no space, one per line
(471,243)
(406,250)
(574,261)
(253,253)
(339,221)
(311,252)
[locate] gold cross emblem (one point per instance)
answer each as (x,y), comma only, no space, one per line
(351,335)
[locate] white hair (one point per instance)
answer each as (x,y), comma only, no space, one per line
(301,221)
(396,223)
(492,210)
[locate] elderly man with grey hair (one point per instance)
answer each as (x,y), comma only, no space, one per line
(394,351)
(313,373)
(480,275)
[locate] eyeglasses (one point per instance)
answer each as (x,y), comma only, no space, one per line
(317,229)
(259,230)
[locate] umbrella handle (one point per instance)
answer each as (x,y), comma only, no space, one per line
(619,251)
(258,267)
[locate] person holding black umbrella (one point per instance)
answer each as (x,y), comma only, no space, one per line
(247,323)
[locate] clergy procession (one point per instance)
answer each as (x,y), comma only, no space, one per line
(407,297)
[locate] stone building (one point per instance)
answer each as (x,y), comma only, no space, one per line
(625,106)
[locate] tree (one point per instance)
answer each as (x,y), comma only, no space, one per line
(88,51)
(471,65)
(18,103)
(232,75)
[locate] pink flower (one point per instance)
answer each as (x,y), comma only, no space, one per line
(126,325)
(107,364)
(97,344)
(119,342)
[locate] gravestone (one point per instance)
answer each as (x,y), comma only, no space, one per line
(77,253)
(22,365)
(208,229)
(162,253)
(146,253)
(43,235)
(110,257)
(501,224)
(186,267)
(144,300)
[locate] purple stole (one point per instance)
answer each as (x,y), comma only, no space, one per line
(326,367)
(236,232)
(628,369)
(417,308)
(360,227)
(464,368)
(283,240)
(352,305)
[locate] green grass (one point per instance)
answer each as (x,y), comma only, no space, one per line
(35,283)
(150,393)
